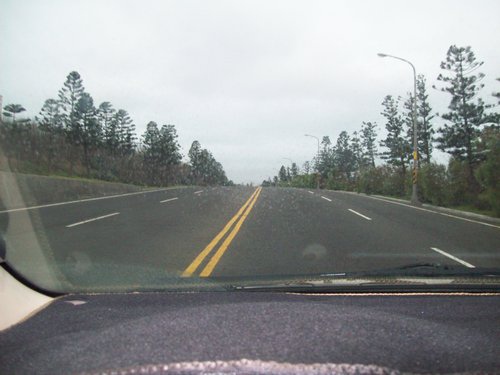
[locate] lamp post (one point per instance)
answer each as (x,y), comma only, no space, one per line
(414,191)
(317,160)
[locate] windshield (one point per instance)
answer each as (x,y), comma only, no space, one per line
(156,144)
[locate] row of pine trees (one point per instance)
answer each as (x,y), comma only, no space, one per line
(74,137)
(469,132)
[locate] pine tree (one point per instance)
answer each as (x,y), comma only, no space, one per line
(168,151)
(195,162)
(459,134)
(106,117)
(307,167)
(125,132)
(50,120)
(325,162)
(282,174)
(396,142)
(11,110)
(357,151)
(209,171)
(368,143)
(424,121)
(170,147)
(69,95)
(150,140)
(344,157)
(88,133)
(294,170)
(51,124)
(161,151)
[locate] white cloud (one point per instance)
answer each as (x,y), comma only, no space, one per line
(246,78)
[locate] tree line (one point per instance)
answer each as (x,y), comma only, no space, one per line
(469,132)
(74,137)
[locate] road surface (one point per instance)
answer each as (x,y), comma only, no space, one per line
(244,231)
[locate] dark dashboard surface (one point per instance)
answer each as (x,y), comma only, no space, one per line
(408,333)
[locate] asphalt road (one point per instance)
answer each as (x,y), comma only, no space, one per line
(242,231)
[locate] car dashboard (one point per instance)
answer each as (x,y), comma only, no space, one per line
(257,332)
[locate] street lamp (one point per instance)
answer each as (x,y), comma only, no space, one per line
(317,160)
(414,191)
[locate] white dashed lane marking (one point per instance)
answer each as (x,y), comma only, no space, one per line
(168,200)
(93,219)
(357,213)
(466,264)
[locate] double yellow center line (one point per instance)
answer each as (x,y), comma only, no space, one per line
(239,218)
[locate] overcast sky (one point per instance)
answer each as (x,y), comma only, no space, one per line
(246,78)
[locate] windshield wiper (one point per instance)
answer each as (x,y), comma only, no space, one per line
(411,277)
(432,269)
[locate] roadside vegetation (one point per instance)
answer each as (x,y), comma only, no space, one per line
(469,132)
(74,137)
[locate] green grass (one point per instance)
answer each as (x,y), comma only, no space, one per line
(463,208)
(29,168)
(475,210)
(26,167)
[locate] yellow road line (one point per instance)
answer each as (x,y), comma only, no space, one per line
(196,263)
(215,259)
